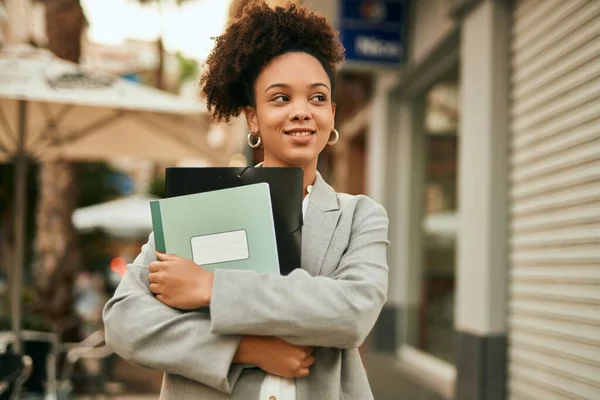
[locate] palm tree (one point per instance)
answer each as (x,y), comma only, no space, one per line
(56,253)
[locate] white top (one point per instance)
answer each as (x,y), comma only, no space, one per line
(305,201)
(275,387)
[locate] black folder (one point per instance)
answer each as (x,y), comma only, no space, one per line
(286,188)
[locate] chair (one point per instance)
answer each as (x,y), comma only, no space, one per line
(44,349)
(41,348)
(90,354)
(15,369)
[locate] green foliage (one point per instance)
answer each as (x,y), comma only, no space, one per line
(95,185)
(31,319)
(157,187)
(188,68)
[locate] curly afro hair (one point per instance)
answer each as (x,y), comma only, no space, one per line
(250,42)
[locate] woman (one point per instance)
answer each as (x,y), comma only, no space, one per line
(302,331)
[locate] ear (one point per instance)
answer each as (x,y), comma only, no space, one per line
(251,118)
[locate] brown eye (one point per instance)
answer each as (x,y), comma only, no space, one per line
(320,97)
(280,98)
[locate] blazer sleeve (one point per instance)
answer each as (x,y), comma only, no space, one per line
(146,332)
(337,311)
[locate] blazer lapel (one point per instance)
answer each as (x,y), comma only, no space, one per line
(322,216)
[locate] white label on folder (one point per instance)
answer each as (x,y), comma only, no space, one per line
(220,247)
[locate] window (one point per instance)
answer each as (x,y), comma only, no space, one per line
(431,327)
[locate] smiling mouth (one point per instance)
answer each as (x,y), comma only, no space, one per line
(300,134)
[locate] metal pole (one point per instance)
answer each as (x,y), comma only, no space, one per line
(20,199)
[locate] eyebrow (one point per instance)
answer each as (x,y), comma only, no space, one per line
(286,86)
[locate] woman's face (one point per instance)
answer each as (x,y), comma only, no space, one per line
(294,114)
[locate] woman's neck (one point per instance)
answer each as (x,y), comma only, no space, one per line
(309,172)
(310,175)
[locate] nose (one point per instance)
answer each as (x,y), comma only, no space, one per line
(300,112)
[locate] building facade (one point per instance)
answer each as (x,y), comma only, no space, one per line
(491,177)
(484,146)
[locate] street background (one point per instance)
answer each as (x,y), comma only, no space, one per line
(474,122)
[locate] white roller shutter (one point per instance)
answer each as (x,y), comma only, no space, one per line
(554,285)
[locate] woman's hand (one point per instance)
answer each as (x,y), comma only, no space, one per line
(179,282)
(275,356)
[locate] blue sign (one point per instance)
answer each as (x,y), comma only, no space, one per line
(372,31)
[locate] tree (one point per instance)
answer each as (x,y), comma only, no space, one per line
(160,48)
(56,252)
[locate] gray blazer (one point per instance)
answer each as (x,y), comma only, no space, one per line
(331,303)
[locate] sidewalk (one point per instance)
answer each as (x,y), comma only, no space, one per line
(122,397)
(389,382)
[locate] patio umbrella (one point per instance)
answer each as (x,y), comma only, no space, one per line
(50,108)
(128,217)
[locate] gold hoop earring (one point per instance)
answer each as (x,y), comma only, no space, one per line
(254,145)
(333,141)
